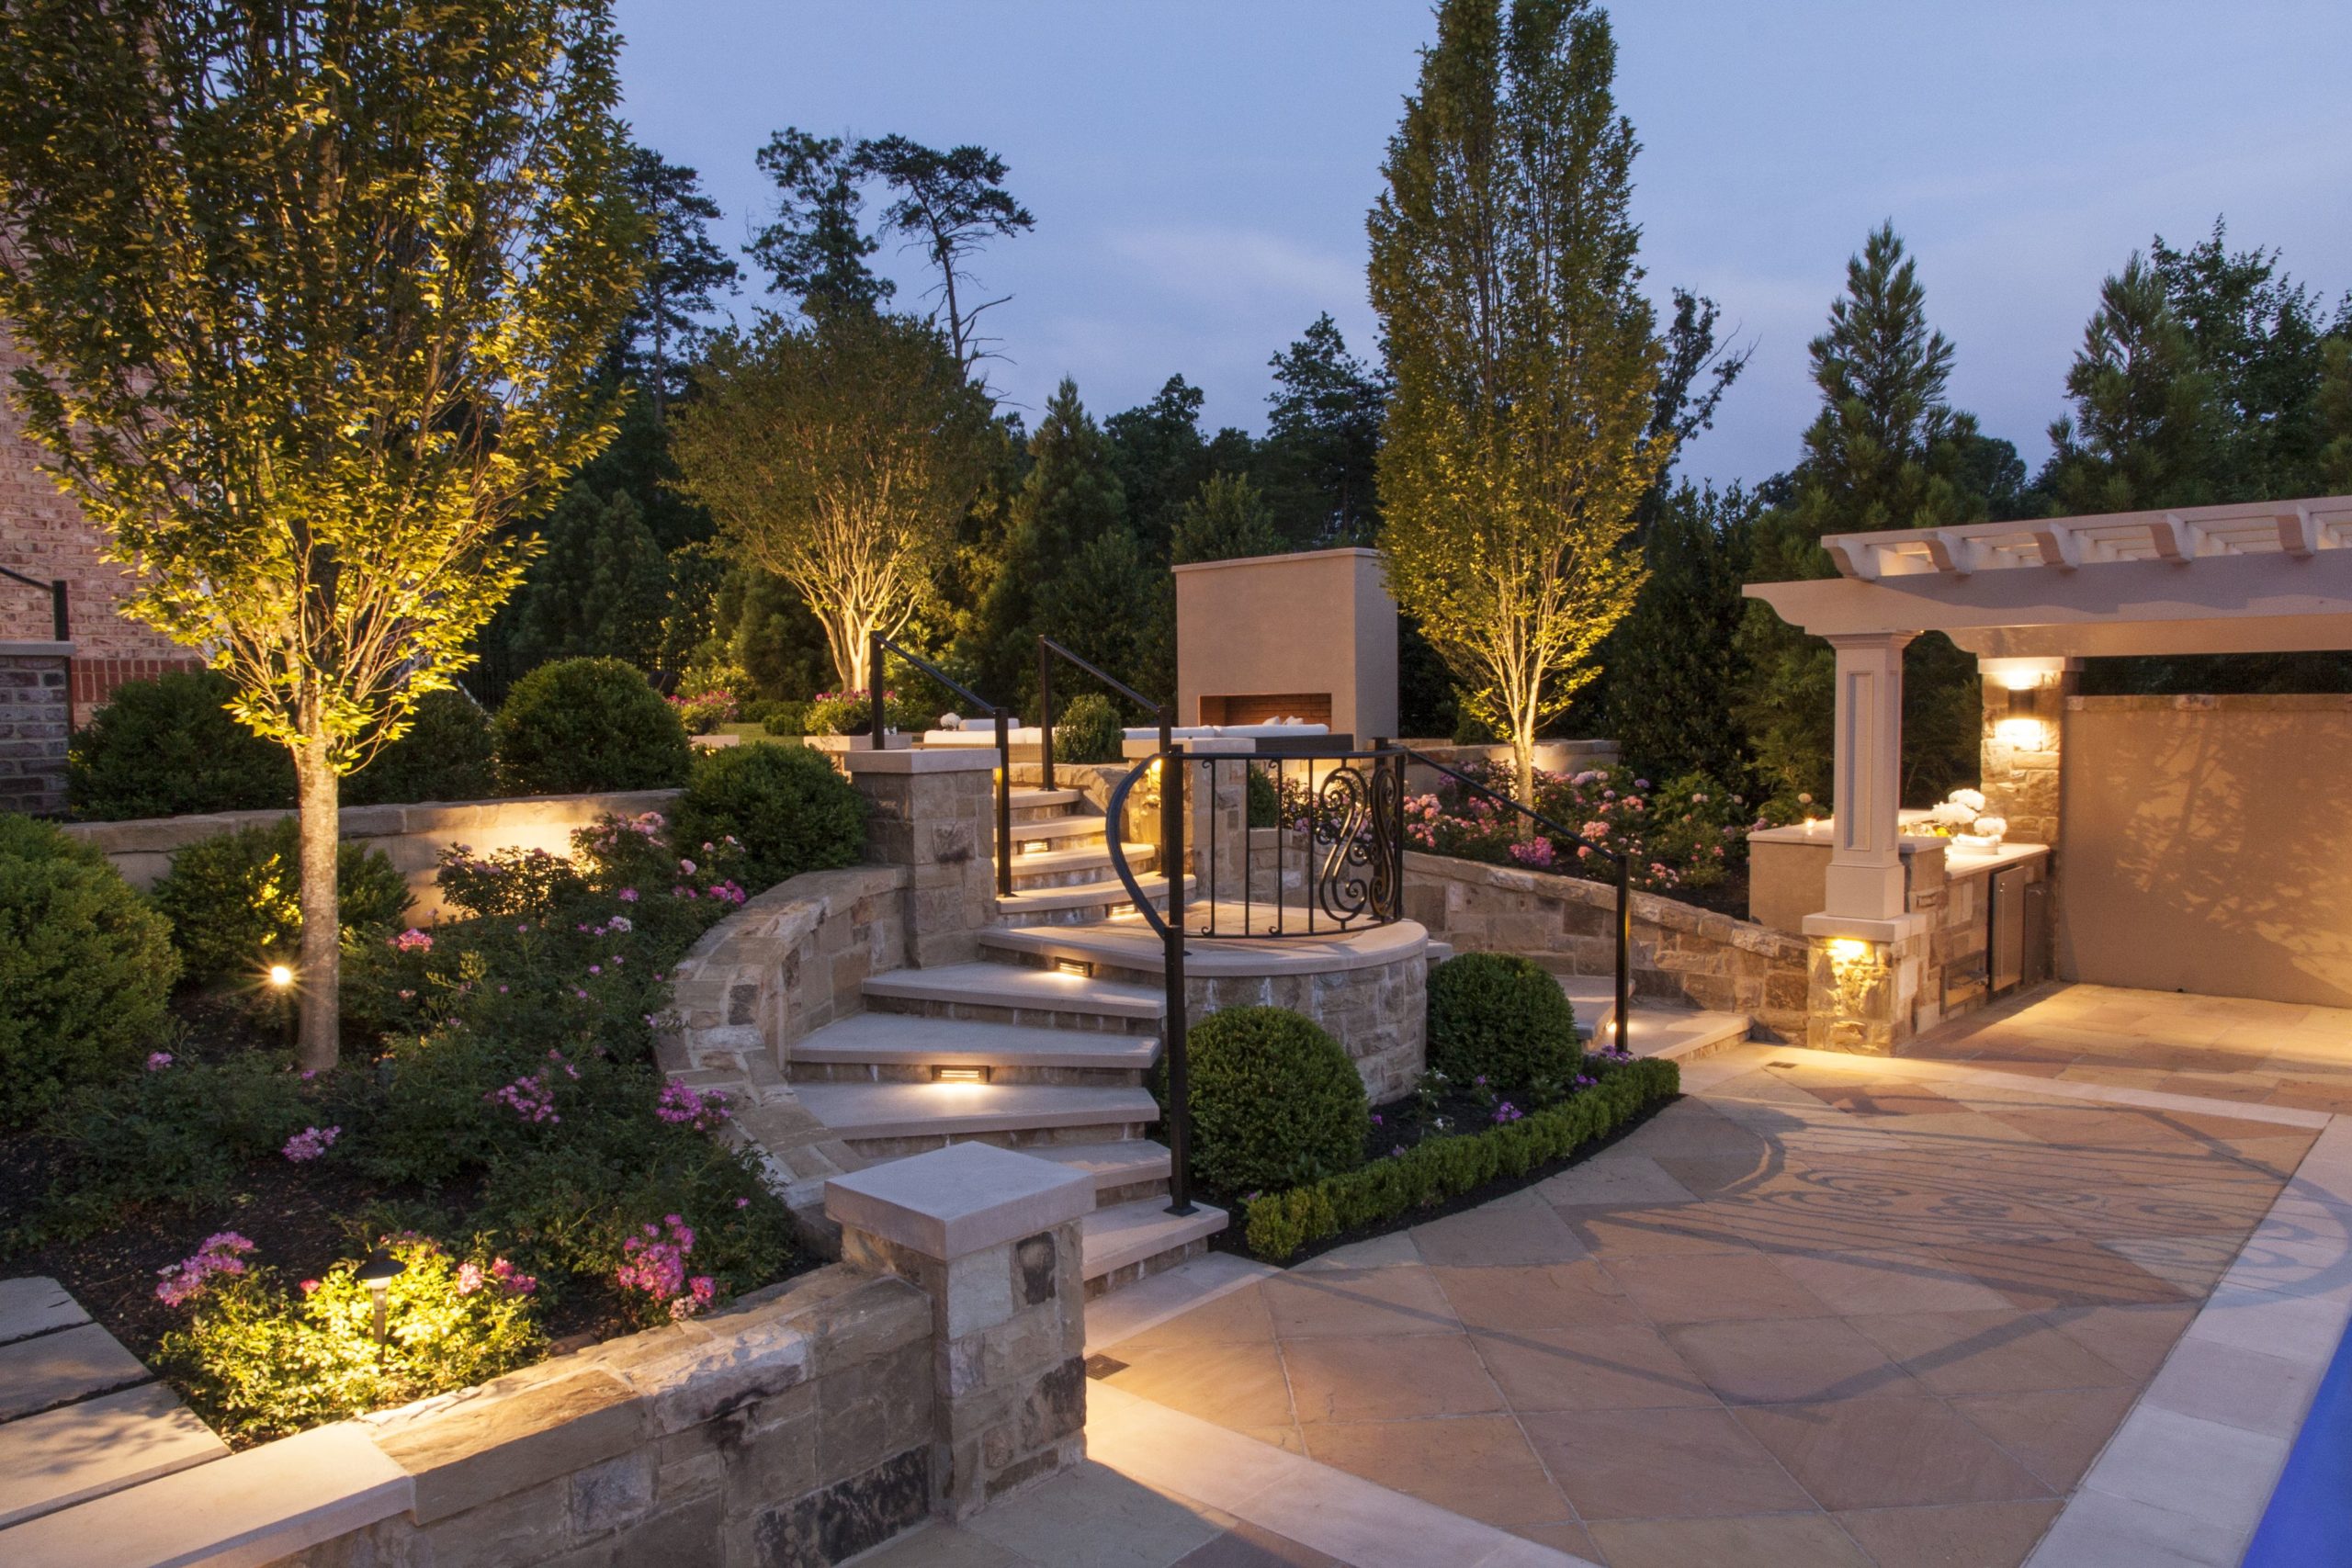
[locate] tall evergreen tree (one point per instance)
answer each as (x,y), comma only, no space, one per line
(2335,416)
(685,272)
(949,205)
(603,586)
(1675,683)
(1161,459)
(1318,463)
(2144,418)
(1225,520)
(1887,451)
(815,248)
(1525,357)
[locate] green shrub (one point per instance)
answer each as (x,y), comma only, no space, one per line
(852,713)
(581,724)
(259,1363)
(167,748)
(445,755)
(784,719)
(1502,1018)
(235,898)
(1429,1173)
(86,968)
(1265,800)
(788,807)
(1275,1101)
(1089,730)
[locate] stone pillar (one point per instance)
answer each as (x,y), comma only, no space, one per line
(993,1238)
(2025,730)
(1865,877)
(35,723)
(935,813)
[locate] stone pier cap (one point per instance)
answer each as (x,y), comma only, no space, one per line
(959,1199)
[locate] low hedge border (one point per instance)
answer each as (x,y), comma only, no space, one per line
(1282,1224)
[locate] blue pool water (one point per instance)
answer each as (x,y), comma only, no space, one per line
(2309,1522)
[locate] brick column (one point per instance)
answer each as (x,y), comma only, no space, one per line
(35,722)
(935,813)
(992,1238)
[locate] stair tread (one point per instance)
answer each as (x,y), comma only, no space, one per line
(1114,1164)
(1660,1029)
(1129,1233)
(1078,896)
(1040,797)
(1059,828)
(1017,986)
(916,1110)
(1079,859)
(899,1037)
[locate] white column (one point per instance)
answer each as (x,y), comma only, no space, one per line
(1865,876)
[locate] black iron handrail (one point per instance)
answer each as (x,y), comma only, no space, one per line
(1048,651)
(877,646)
(1624,880)
(56,590)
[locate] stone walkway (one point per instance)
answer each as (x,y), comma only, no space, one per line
(1827,1311)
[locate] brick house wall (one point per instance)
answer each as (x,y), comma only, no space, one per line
(44,534)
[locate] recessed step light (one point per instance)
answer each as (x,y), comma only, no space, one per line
(959,1075)
(1078,966)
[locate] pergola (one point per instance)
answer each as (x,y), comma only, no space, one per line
(2028,598)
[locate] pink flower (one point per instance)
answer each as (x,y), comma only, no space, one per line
(158,1060)
(627,895)
(309,1143)
(412,941)
(469,1278)
(687,866)
(223,1253)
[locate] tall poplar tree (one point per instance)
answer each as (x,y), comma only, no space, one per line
(316,290)
(1524,358)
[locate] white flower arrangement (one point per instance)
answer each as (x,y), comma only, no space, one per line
(1972,799)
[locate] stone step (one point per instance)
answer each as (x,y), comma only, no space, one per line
(897,1039)
(1027,798)
(1123,1162)
(1084,866)
(1068,831)
(1097,900)
(1659,1028)
(1012,989)
(877,1111)
(1128,1241)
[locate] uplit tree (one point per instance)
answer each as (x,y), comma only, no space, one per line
(838,452)
(1524,356)
(316,290)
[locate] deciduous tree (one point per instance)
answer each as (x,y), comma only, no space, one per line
(316,290)
(1524,356)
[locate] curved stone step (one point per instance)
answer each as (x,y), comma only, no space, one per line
(1029,799)
(867,1110)
(1131,1240)
(1085,865)
(1015,988)
(1055,830)
(1124,1162)
(1107,895)
(899,1039)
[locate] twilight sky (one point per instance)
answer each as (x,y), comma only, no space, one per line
(1200,170)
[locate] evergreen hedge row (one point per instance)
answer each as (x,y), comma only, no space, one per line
(1428,1174)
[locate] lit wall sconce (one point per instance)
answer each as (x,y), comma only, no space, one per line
(2023,725)
(1849,949)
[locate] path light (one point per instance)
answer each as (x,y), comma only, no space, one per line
(376,1273)
(280,976)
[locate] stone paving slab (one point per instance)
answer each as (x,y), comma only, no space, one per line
(35,1305)
(56,1369)
(63,1457)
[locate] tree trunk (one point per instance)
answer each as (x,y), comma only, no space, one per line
(1522,757)
(316,974)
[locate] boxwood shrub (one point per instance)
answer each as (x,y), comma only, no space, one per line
(1275,1101)
(233,899)
(1279,1224)
(1088,731)
(1502,1018)
(168,747)
(580,725)
(85,968)
(445,755)
(787,806)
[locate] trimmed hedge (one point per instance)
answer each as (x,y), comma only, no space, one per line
(1502,1018)
(1088,731)
(169,747)
(86,968)
(234,900)
(1275,1101)
(445,755)
(582,724)
(1428,1174)
(792,811)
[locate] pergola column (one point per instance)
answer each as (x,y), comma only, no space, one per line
(1865,876)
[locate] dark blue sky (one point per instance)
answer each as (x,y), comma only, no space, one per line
(1200,172)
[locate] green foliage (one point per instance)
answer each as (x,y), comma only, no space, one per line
(684,273)
(1088,731)
(602,587)
(1674,678)
(788,718)
(169,747)
(233,899)
(837,454)
(1279,1224)
(1275,1101)
(260,1362)
(581,725)
(788,807)
(445,755)
(852,713)
(1525,357)
(2145,418)
(85,966)
(1160,460)
(1499,1017)
(1226,520)
(1322,442)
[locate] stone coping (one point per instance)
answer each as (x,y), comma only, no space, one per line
(2236,702)
(914,760)
(1655,909)
(11,649)
(160,834)
(959,1199)
(1134,945)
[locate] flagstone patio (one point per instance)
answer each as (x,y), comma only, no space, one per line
(1825,1310)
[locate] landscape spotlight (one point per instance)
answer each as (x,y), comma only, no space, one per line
(280,976)
(378,1273)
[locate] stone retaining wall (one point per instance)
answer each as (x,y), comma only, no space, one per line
(36,717)
(1681,954)
(411,837)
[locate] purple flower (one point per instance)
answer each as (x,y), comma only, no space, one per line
(628,895)
(158,1060)
(309,1143)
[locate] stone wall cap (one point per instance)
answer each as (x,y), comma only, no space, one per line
(1902,928)
(946,760)
(35,649)
(960,1199)
(260,1505)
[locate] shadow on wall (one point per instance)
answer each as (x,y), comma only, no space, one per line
(2206,846)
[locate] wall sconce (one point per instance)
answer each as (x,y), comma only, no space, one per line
(2023,725)
(1849,949)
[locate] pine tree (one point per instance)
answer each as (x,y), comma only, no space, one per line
(602,588)
(685,273)
(1320,461)
(1225,520)
(815,248)
(1160,460)
(1674,684)
(1887,451)
(2144,423)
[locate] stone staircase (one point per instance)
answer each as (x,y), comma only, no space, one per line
(1000,1051)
